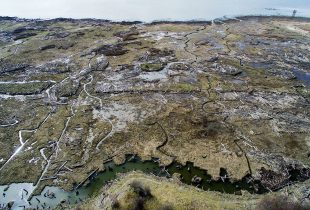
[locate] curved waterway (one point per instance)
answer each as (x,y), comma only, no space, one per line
(19,193)
(51,197)
(151,10)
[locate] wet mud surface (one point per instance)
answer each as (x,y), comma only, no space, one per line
(228,98)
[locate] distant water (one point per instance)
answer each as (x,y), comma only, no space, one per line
(150,10)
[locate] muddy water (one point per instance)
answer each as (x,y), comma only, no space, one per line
(302,76)
(150,10)
(222,184)
(16,192)
(19,193)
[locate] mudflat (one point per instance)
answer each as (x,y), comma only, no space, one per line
(231,97)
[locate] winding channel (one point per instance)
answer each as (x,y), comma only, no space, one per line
(101,108)
(22,142)
(10,124)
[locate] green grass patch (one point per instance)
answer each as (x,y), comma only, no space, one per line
(23,88)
